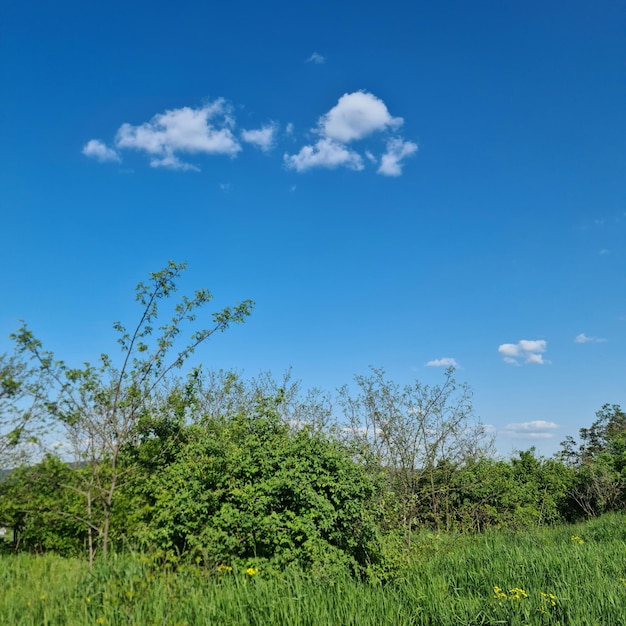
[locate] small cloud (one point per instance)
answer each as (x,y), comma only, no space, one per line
(289,129)
(316,58)
(98,150)
(325,153)
(582,338)
(445,362)
(524,351)
(397,149)
(262,138)
(172,162)
(535,429)
(225,187)
(603,252)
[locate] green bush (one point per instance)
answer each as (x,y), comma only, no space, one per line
(250,489)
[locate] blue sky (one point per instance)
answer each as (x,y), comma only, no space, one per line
(394,184)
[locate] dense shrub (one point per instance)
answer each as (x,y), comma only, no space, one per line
(251,489)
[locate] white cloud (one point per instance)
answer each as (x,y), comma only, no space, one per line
(316,58)
(603,252)
(397,149)
(172,162)
(356,115)
(535,345)
(186,130)
(582,338)
(325,153)
(528,351)
(534,358)
(535,429)
(445,362)
(169,138)
(370,157)
(100,151)
(261,137)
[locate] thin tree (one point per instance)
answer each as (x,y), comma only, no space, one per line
(413,431)
(100,407)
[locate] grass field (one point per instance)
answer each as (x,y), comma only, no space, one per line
(563,575)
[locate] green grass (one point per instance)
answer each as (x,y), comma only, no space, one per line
(451,581)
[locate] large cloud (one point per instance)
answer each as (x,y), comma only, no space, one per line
(526,351)
(356,116)
(182,131)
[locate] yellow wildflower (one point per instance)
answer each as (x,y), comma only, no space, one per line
(251,571)
(517,593)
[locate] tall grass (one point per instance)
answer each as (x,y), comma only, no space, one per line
(580,570)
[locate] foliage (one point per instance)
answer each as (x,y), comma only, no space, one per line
(236,475)
(518,493)
(416,434)
(248,489)
(599,461)
(22,408)
(41,505)
(100,407)
(225,393)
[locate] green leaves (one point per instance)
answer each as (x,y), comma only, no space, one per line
(599,463)
(103,409)
(248,487)
(22,407)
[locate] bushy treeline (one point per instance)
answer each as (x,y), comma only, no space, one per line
(225,472)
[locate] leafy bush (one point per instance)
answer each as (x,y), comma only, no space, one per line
(250,489)
(38,503)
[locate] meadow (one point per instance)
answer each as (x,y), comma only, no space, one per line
(567,574)
(212,499)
